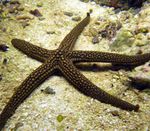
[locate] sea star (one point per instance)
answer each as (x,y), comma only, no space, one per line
(62,59)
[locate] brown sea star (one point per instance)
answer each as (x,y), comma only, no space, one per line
(62,59)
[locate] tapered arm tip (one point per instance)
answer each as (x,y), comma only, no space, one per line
(88,13)
(137,108)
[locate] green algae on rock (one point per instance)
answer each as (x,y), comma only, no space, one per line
(124,39)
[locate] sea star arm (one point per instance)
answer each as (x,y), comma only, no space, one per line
(31,50)
(42,54)
(69,41)
(82,84)
(121,59)
(25,89)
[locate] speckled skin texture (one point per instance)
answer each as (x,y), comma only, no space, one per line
(62,59)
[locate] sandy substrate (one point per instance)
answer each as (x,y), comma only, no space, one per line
(41,112)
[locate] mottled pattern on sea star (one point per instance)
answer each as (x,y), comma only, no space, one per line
(62,59)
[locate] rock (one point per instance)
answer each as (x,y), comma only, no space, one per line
(104,33)
(14,2)
(115,113)
(40,4)
(50,32)
(1,77)
(125,4)
(41,18)
(124,39)
(139,43)
(5,1)
(5,61)
(110,30)
(97,1)
(95,40)
(23,17)
(20,8)
(93,31)
(140,82)
(140,77)
(148,36)
(18,125)
(76,18)
(4,47)
(25,23)
(68,13)
(135,3)
(13,8)
(48,90)
(3,15)
(36,13)
(86,1)
(142,30)
(3,29)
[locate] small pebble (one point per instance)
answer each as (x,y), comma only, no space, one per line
(93,31)
(3,29)
(95,40)
(36,13)
(23,17)
(14,2)
(48,90)
(95,67)
(20,8)
(1,77)
(141,30)
(41,18)
(5,1)
(117,10)
(86,1)
(4,47)
(50,32)
(60,118)
(25,24)
(139,52)
(115,113)
(104,33)
(40,4)
(90,11)
(68,13)
(140,82)
(5,61)
(18,125)
(135,3)
(148,36)
(76,18)
(13,8)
